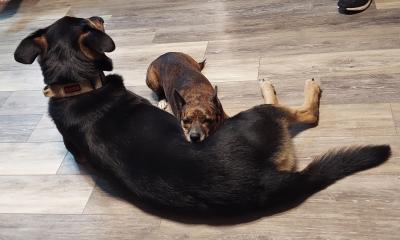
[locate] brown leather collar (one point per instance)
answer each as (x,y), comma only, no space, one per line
(71,89)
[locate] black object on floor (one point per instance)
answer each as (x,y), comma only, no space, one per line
(353,6)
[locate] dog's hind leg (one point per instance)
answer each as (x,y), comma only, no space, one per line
(284,158)
(153,82)
(268,92)
(308,113)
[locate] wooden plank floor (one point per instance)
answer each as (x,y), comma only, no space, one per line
(44,194)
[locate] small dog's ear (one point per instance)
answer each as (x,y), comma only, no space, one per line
(179,100)
(98,41)
(215,99)
(215,96)
(30,47)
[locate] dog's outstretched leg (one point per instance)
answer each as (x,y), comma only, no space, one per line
(153,82)
(309,112)
(268,92)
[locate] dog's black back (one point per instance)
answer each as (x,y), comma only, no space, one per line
(144,147)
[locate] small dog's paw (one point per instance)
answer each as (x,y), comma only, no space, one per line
(163,104)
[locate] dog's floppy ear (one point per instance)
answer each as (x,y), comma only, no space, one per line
(179,100)
(98,41)
(30,47)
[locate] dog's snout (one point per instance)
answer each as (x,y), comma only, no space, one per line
(195,137)
(97,19)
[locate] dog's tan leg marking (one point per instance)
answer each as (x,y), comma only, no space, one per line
(268,92)
(285,159)
(309,112)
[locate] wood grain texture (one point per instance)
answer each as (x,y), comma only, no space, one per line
(109,199)
(3,96)
(353,120)
(24,102)
(45,131)
(135,74)
(31,158)
(231,68)
(307,40)
(396,113)
(82,227)
(337,64)
(70,167)
(387,4)
(345,76)
(45,194)
(17,128)
(21,79)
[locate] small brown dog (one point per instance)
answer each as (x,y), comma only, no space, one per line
(177,80)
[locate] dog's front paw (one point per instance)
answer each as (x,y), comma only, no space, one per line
(163,104)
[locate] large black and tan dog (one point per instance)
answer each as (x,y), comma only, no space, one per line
(247,164)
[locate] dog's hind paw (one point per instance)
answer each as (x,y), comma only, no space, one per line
(267,86)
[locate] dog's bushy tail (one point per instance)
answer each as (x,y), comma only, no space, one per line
(339,163)
(330,167)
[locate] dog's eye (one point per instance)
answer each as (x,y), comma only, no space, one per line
(187,121)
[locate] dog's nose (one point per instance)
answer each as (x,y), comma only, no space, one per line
(195,137)
(97,19)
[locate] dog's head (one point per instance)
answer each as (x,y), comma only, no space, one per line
(199,119)
(70,50)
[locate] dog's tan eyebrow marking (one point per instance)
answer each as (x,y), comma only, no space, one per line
(86,51)
(91,23)
(94,25)
(42,42)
